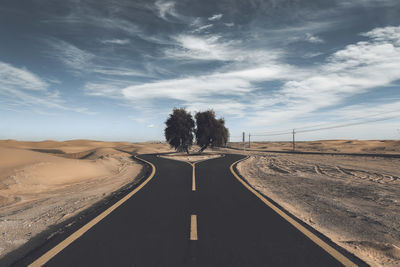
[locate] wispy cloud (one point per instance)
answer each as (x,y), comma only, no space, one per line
(25,89)
(313,39)
(215,47)
(369,111)
(312,54)
(200,48)
(116,41)
(11,77)
(215,17)
(208,89)
(221,106)
(116,71)
(70,55)
(105,88)
(272,62)
(82,14)
(80,61)
(353,70)
(202,28)
(166,10)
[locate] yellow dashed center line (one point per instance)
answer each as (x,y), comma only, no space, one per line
(193,227)
(193,178)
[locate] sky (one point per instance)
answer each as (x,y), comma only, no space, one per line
(114,70)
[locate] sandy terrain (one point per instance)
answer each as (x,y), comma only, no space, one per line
(329,146)
(353,200)
(45,183)
(192,157)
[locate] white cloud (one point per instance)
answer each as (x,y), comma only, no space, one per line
(116,23)
(220,106)
(166,9)
(116,71)
(116,41)
(229,24)
(200,48)
(23,88)
(191,89)
(313,39)
(91,17)
(71,56)
(214,47)
(372,111)
(108,89)
(81,61)
(386,34)
(281,36)
(215,17)
(312,54)
(299,93)
(202,28)
(19,78)
(150,126)
(353,70)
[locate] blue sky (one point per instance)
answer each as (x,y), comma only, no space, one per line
(113,70)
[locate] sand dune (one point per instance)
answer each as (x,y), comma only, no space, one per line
(45,183)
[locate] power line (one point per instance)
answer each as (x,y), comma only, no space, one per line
(354,119)
(272,134)
(313,129)
(346,125)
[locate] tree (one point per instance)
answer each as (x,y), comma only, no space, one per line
(210,131)
(179,130)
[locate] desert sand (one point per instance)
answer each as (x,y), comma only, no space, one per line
(45,183)
(353,200)
(193,157)
(328,146)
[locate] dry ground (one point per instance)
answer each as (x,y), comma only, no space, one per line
(353,200)
(330,146)
(195,157)
(45,183)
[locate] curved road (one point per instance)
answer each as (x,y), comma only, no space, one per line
(166,223)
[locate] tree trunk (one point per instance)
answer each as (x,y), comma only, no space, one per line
(203,148)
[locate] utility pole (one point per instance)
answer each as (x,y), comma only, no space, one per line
(244,144)
(249,139)
(294,142)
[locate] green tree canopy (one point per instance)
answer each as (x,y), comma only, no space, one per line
(210,132)
(179,130)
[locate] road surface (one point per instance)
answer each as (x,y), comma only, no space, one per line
(167,223)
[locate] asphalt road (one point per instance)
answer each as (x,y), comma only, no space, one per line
(153,227)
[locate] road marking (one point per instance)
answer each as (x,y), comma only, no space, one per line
(193,227)
(193,178)
(193,167)
(63,244)
(333,252)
